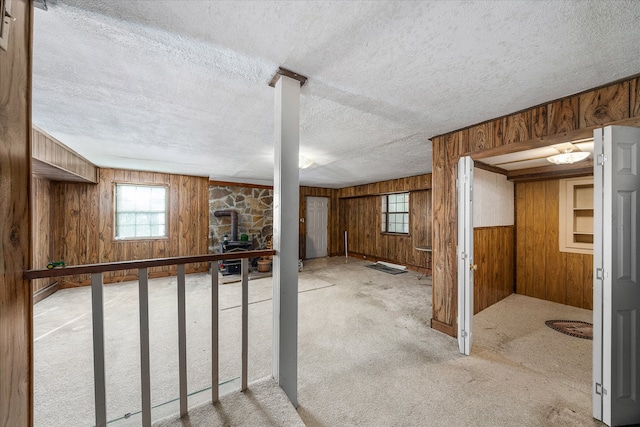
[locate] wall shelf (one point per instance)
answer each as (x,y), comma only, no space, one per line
(576,215)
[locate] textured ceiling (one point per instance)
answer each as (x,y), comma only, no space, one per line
(182,86)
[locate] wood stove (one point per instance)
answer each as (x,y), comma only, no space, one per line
(232,266)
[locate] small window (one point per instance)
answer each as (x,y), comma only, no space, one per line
(140,211)
(395,213)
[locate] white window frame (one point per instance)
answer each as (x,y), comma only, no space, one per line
(387,211)
(138,210)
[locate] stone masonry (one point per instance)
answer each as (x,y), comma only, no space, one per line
(255,214)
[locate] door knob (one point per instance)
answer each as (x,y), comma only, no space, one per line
(473,267)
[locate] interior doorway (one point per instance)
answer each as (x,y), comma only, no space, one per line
(316,219)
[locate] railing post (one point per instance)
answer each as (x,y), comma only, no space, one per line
(99,383)
(145,369)
(182,340)
(245,320)
(215,312)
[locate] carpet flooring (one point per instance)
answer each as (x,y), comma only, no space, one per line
(367,356)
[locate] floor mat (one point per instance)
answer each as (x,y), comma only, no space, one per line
(575,328)
(386,269)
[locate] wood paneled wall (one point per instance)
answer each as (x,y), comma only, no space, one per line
(58,161)
(83,224)
(334,239)
(542,271)
(361,217)
(42,207)
(16,309)
(597,107)
(494,254)
(410,183)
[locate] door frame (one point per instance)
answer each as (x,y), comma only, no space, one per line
(466,265)
(306,228)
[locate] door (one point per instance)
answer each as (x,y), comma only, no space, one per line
(616,297)
(316,240)
(466,266)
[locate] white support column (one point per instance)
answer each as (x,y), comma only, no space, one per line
(285,235)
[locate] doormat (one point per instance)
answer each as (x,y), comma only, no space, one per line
(386,269)
(575,328)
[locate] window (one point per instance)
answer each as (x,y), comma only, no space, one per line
(140,211)
(576,215)
(395,213)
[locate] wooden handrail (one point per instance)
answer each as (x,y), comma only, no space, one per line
(146,263)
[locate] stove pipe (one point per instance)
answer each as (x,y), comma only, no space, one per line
(234,221)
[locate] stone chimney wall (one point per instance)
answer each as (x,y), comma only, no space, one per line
(255,214)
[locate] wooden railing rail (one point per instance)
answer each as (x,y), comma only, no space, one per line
(144,263)
(97,314)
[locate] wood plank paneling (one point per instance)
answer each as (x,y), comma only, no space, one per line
(440,231)
(411,183)
(634,97)
(494,254)
(563,115)
(42,216)
(84,230)
(521,225)
(58,162)
(362,219)
(597,107)
(555,287)
(539,124)
(16,309)
(481,137)
(605,105)
(517,127)
(543,271)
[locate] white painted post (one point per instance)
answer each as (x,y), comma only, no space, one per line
(182,340)
(245,322)
(215,312)
(99,378)
(145,366)
(285,236)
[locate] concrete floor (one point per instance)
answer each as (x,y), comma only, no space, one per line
(366,355)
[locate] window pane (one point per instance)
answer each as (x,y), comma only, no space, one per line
(141,211)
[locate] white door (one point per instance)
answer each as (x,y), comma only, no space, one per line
(317,213)
(616,293)
(466,266)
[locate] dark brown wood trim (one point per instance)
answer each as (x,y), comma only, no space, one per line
(493,227)
(136,264)
(543,176)
(443,327)
(239,184)
(45,292)
(288,73)
(479,165)
(553,170)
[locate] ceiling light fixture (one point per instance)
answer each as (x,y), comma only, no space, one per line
(304,163)
(568,157)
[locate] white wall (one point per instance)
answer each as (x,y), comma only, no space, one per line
(493,203)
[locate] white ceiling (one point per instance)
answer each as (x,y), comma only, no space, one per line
(182,86)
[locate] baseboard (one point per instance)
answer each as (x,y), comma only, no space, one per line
(45,292)
(443,327)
